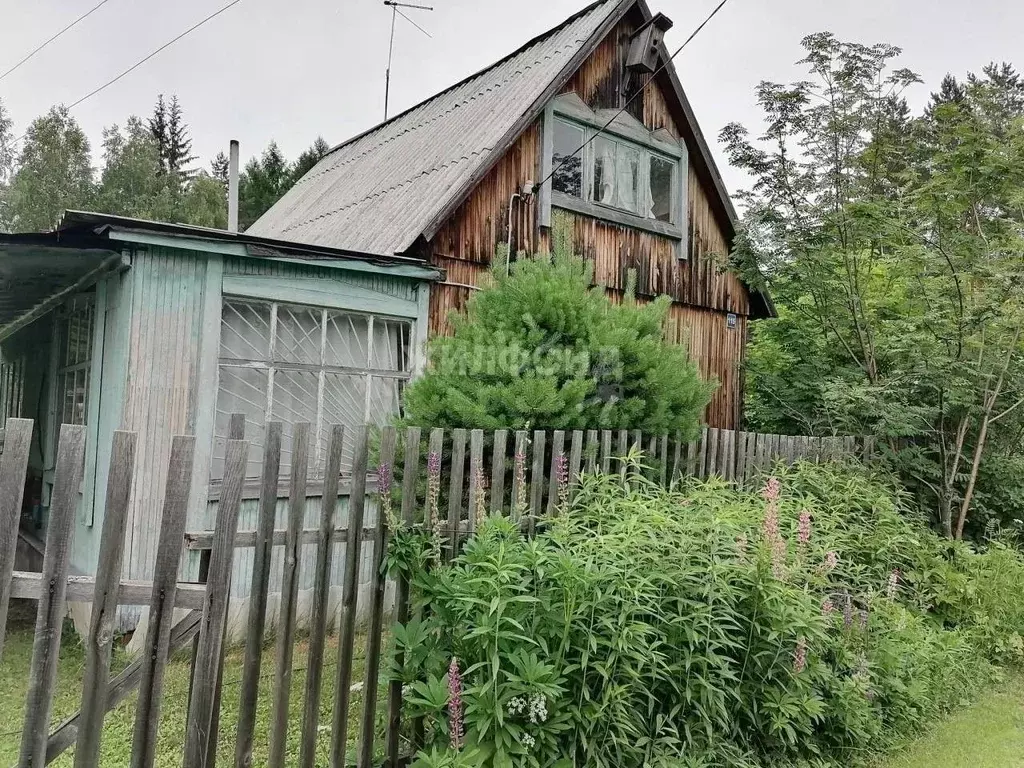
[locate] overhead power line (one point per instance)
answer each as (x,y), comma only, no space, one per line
(146,58)
(47,42)
(629,101)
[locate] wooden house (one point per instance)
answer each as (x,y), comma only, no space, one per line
(163,329)
(494,160)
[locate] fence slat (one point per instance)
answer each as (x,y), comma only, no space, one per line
(477,489)
(198,733)
(678,458)
(498,471)
(50,611)
(575,460)
(289,595)
(692,449)
(455,492)
(702,454)
(557,450)
(606,451)
(161,606)
(592,451)
(258,595)
(375,626)
(537,479)
(519,487)
(623,451)
(663,460)
(349,599)
(13,466)
(321,595)
(741,457)
(410,471)
(729,451)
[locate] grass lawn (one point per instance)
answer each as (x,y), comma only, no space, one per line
(120,723)
(989,734)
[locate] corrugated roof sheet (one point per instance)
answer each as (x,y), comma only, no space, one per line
(378,192)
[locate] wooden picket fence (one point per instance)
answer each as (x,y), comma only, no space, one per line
(464,454)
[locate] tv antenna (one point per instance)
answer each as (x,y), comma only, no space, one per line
(394,5)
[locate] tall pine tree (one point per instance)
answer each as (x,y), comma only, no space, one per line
(262,184)
(309,158)
(173,139)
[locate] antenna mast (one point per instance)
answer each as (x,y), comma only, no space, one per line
(394,5)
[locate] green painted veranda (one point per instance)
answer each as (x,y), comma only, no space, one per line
(540,348)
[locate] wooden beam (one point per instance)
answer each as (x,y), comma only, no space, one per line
(28,585)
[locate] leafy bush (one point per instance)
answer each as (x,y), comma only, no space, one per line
(540,348)
(704,626)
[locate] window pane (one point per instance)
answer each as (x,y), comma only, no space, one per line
(241,390)
(245,331)
(627,177)
(662,172)
(390,349)
(567,166)
(298,335)
(294,402)
(385,399)
(604,171)
(344,403)
(346,340)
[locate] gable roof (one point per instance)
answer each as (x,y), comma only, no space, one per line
(380,191)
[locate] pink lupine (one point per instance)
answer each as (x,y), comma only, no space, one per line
(771,490)
(827,607)
(519,474)
(800,656)
(847,611)
(893,585)
(562,479)
(804,527)
(480,507)
(741,545)
(455,723)
(772,535)
(831,561)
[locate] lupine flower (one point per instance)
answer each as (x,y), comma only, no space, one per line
(527,740)
(831,561)
(827,607)
(847,610)
(519,472)
(741,545)
(455,723)
(863,619)
(433,493)
(772,535)
(771,489)
(800,656)
(893,585)
(804,527)
(384,489)
(562,478)
(516,705)
(480,509)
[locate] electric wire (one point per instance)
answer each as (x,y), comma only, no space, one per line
(50,40)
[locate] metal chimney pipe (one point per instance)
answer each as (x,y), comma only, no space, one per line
(233,187)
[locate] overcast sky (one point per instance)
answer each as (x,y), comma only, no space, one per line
(289,70)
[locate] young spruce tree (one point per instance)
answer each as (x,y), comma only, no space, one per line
(542,348)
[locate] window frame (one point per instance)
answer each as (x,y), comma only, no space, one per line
(273,366)
(622,129)
(86,304)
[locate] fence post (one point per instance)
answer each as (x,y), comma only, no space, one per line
(161,605)
(258,595)
(536,480)
(50,612)
(455,492)
(13,465)
(289,593)
(198,732)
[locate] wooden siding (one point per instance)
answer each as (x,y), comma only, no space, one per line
(704,292)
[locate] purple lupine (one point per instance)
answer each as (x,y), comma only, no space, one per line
(562,479)
(893,585)
(456,728)
(804,527)
(847,610)
(800,656)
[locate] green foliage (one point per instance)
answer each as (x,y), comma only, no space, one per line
(541,348)
(173,139)
(705,626)
(892,245)
(262,183)
(54,173)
